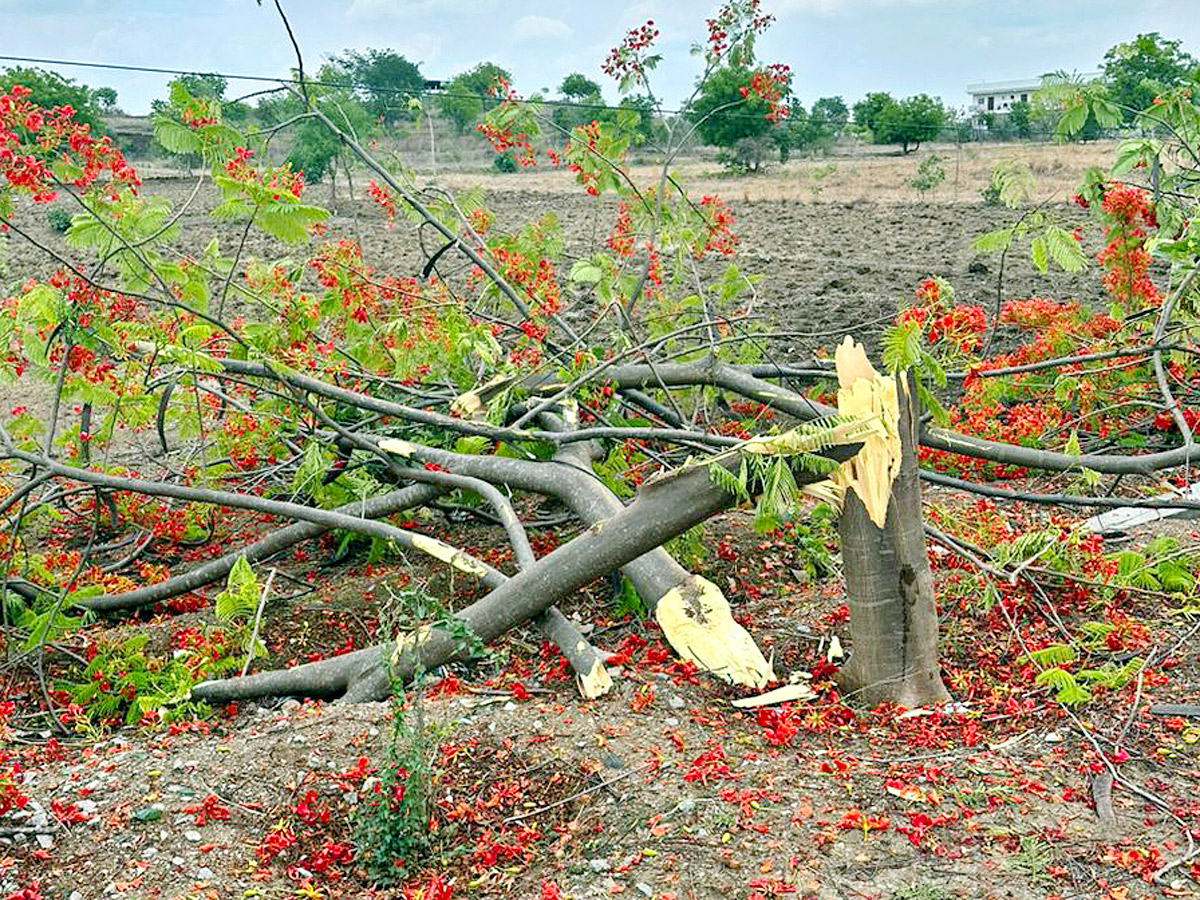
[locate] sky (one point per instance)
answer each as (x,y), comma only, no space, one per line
(835,47)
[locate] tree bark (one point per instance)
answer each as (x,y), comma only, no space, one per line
(662,510)
(889,589)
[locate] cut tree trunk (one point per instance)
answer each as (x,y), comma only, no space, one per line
(662,510)
(889,588)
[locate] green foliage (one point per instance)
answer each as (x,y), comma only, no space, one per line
(907,122)
(1149,66)
(722,116)
(106,99)
(1020,114)
(49,89)
(505,162)
(384,82)
(1013,185)
(811,536)
(1033,859)
(833,112)
(1164,565)
(628,603)
(922,890)
(930,173)
(469,94)
(391,825)
(238,603)
(904,350)
(869,110)
(690,549)
(124,680)
(766,476)
(910,122)
(58,219)
(1084,107)
(578,87)
(803,133)
(1067,690)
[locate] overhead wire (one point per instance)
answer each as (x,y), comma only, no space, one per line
(350,84)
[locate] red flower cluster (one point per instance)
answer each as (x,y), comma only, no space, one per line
(733,21)
(383,197)
(621,239)
(33,140)
(1130,217)
(770,85)
(503,137)
(277,180)
(627,59)
(719,223)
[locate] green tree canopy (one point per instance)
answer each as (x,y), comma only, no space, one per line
(51,89)
(205,87)
(722,115)
(1137,71)
(314,146)
(384,81)
(470,93)
(582,102)
(833,111)
(868,110)
(803,132)
(907,122)
(578,87)
(105,99)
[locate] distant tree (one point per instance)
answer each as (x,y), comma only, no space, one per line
(833,111)
(868,110)
(470,93)
(723,116)
(647,128)
(1020,119)
(1137,71)
(384,81)
(314,147)
(907,122)
(581,102)
(208,86)
(105,99)
(51,89)
(802,132)
(578,87)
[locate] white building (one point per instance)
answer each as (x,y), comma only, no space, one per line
(997,97)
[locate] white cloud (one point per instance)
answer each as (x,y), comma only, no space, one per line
(398,10)
(783,8)
(533,28)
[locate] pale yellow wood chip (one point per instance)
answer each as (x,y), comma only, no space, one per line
(697,622)
(783,694)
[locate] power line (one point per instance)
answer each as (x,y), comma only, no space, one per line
(348,85)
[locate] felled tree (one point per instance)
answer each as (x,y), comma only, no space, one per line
(357,393)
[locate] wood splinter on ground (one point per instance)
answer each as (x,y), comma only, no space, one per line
(696,620)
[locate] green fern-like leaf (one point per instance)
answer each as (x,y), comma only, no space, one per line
(1053,655)
(994,241)
(1067,690)
(1064,250)
(240,597)
(730,483)
(175,137)
(290,221)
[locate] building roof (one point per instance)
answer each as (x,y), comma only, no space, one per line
(1000,87)
(1020,84)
